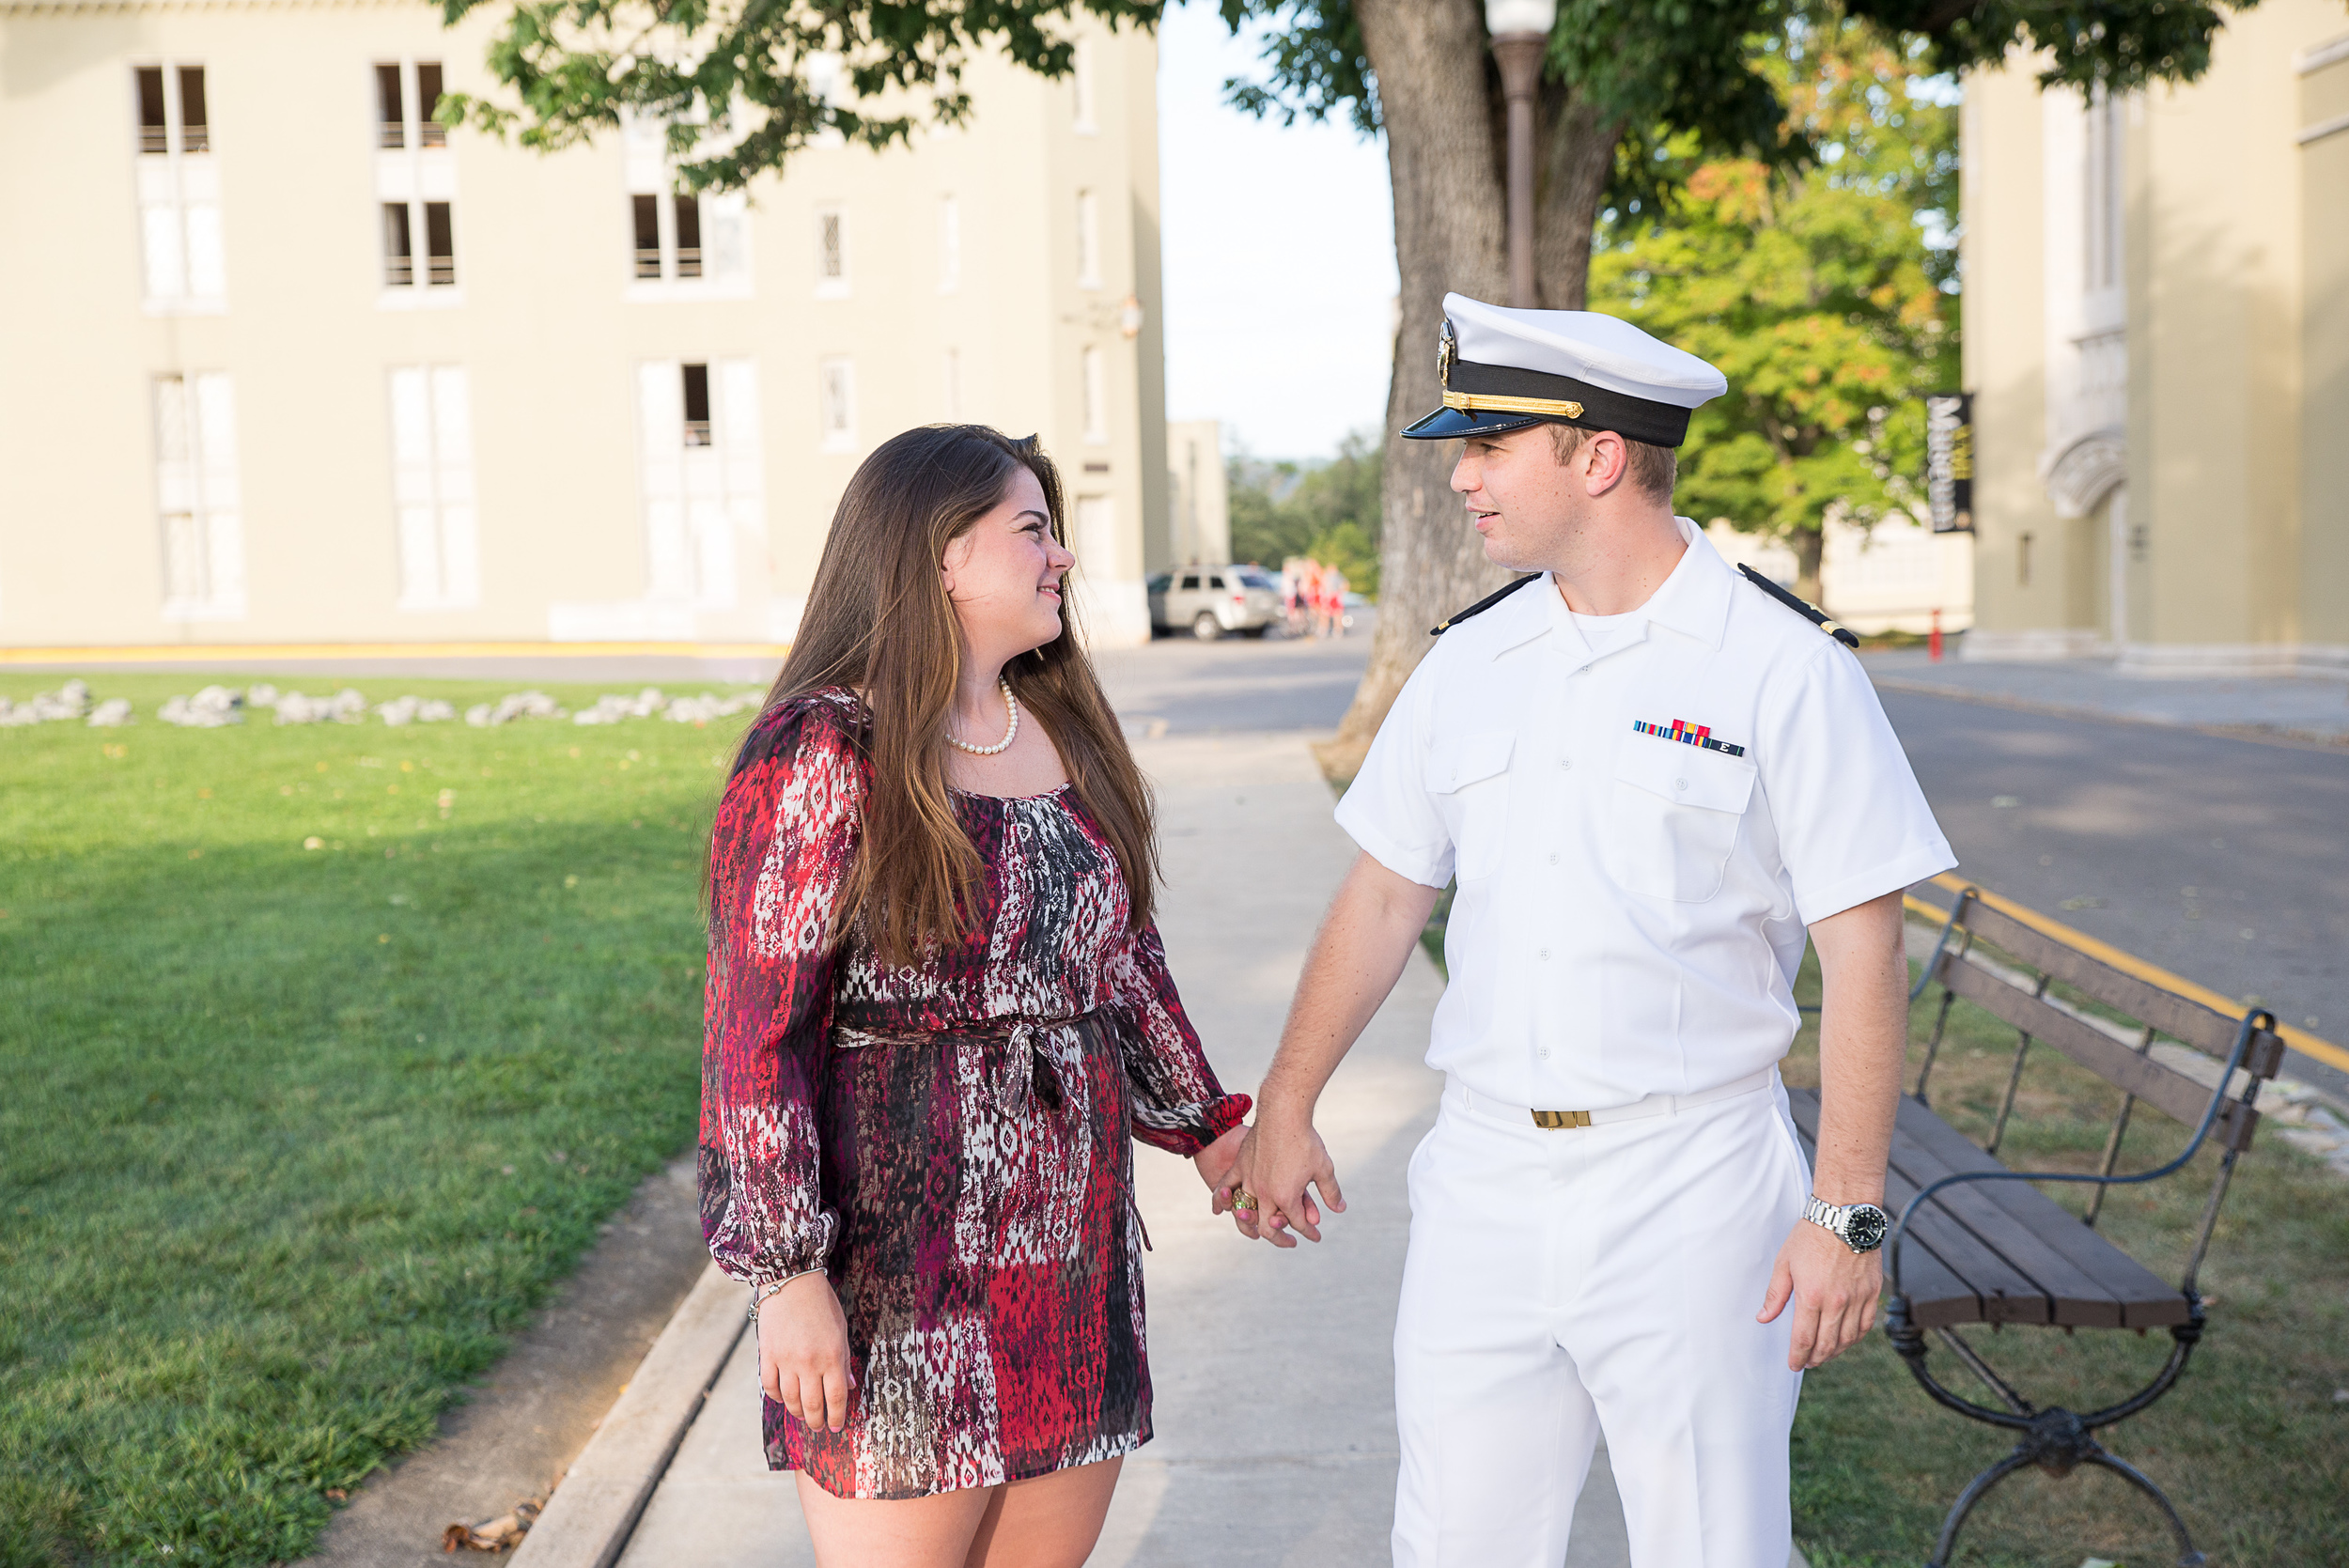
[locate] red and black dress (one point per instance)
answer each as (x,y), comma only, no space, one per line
(950,1139)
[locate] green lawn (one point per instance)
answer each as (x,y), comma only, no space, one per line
(2251,1446)
(291,1139)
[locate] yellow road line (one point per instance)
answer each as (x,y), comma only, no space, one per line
(2127,963)
(218,653)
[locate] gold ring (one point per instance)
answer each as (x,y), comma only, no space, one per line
(1243,1199)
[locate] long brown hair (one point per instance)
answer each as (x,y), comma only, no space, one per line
(880,623)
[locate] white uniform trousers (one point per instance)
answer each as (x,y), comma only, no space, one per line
(1562,1283)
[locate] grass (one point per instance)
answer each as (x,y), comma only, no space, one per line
(293,1138)
(2251,1446)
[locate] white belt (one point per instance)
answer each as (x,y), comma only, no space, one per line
(1456,1093)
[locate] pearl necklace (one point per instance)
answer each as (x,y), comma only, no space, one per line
(1011,706)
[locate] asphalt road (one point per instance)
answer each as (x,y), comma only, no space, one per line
(2222,859)
(1236,683)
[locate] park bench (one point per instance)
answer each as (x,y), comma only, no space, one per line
(1976,1243)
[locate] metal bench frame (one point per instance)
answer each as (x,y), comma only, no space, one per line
(2056,1440)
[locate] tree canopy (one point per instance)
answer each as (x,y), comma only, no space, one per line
(1331,512)
(1827,297)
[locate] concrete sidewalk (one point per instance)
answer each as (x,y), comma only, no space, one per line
(2308,708)
(1275,1427)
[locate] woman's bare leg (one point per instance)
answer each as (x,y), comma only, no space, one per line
(1049,1521)
(916,1532)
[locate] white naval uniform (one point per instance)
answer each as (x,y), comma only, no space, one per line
(1630,914)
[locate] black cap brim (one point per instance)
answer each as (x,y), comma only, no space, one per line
(1450,424)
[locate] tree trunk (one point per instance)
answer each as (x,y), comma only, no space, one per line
(1808,545)
(1434,98)
(1439,102)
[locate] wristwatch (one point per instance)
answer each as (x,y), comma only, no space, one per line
(1861,1227)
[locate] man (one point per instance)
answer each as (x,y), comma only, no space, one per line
(1653,778)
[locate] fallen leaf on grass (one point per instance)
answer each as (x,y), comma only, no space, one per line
(494,1535)
(335,1494)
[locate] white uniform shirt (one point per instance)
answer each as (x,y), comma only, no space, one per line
(1631,907)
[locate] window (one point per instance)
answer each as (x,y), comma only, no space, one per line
(440,245)
(179,190)
(1097,391)
(832,253)
(682,246)
(1190,581)
(392,128)
(1088,240)
(196,489)
(700,475)
(2103,195)
(432,487)
(645,213)
(696,388)
(399,250)
(688,235)
(1080,79)
(949,245)
(429,131)
(836,397)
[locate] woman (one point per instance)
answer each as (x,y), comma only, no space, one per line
(937,1009)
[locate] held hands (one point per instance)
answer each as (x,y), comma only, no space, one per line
(1834,1293)
(803,1352)
(1276,1162)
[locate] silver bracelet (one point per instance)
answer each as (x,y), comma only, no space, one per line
(763,1294)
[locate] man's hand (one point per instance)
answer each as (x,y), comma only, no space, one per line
(1834,1290)
(1282,1158)
(803,1352)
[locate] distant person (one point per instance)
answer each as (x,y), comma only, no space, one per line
(937,1014)
(1656,781)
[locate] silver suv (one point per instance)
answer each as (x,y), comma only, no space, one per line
(1212,600)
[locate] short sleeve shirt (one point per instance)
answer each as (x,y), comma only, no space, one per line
(1641,835)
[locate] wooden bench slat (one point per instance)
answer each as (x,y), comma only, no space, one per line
(2164,1088)
(2144,1297)
(1988,1288)
(2180,1017)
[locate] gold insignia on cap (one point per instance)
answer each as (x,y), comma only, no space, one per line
(1485,402)
(1447,350)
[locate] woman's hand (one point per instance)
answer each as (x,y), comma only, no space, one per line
(1218,1166)
(803,1352)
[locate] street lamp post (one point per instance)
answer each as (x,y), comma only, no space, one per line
(1521,33)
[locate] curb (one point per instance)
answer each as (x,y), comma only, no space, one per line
(587,1522)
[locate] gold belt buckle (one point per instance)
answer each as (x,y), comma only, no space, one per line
(1552,1120)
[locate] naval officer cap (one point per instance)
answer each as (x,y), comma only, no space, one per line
(1504,369)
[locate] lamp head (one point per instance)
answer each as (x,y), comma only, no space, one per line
(1503,17)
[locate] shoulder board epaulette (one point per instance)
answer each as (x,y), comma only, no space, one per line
(1480,606)
(1804,608)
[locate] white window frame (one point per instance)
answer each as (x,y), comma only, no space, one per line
(1095,379)
(199,529)
(831,249)
(835,403)
(435,526)
(1088,240)
(182,264)
(418,174)
(700,501)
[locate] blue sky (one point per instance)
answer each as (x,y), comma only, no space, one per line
(1279,247)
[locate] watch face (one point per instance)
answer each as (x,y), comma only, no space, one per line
(1866,1228)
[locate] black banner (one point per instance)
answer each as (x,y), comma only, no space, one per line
(1950,461)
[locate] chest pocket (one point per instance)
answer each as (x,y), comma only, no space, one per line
(1677,809)
(1469,778)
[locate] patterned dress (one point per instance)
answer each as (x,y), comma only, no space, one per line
(951,1140)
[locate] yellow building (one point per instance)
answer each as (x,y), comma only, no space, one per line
(2157,339)
(289,365)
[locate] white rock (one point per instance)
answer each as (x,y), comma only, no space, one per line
(112,713)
